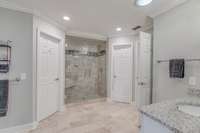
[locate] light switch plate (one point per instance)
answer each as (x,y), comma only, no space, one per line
(23,76)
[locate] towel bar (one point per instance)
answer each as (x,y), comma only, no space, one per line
(13,80)
(187,60)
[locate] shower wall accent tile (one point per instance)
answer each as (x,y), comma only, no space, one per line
(88,53)
(85,69)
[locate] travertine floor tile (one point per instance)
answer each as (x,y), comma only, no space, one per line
(100,117)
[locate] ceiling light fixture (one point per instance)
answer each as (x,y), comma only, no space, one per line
(66,18)
(143,2)
(119,29)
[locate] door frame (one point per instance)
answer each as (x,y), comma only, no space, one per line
(38,32)
(137,44)
(136,56)
(112,70)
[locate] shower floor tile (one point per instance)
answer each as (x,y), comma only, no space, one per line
(99,117)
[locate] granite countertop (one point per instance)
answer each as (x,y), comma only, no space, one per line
(168,114)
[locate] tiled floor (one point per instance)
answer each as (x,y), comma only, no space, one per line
(100,117)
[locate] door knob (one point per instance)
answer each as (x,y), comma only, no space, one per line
(114,76)
(141,83)
(57,79)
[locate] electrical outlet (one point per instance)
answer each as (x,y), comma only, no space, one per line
(192,81)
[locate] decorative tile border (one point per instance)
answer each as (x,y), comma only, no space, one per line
(81,53)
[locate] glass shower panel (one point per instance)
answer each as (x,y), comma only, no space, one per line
(85,69)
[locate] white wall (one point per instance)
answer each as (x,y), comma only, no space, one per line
(18,26)
(111,42)
(176,35)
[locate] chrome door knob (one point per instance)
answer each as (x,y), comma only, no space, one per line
(57,79)
(141,83)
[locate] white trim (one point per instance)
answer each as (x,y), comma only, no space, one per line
(87,35)
(109,100)
(134,33)
(123,35)
(91,101)
(135,78)
(34,70)
(14,6)
(109,68)
(20,129)
(62,108)
(174,4)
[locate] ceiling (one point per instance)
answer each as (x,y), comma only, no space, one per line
(99,17)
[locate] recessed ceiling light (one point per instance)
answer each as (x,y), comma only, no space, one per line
(119,29)
(66,18)
(143,2)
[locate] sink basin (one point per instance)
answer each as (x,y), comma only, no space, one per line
(190,109)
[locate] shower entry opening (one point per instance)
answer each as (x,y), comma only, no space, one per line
(85,69)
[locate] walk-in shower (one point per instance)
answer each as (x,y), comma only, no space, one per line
(85,69)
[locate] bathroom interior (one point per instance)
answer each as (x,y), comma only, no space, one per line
(85,67)
(81,69)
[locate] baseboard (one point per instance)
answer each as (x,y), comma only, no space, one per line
(62,108)
(109,99)
(86,102)
(133,103)
(20,129)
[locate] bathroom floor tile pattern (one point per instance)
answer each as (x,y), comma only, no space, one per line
(99,117)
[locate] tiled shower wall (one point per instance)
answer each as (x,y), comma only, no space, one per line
(85,69)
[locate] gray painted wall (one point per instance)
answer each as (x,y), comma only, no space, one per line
(18,27)
(176,35)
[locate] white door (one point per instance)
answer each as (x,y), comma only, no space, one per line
(143,78)
(122,73)
(47,75)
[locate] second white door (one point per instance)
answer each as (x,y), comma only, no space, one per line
(143,76)
(122,73)
(47,76)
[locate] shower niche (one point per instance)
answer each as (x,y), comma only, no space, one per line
(85,69)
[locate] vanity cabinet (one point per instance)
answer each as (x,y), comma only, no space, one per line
(149,125)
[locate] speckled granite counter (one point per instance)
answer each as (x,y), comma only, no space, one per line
(167,114)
